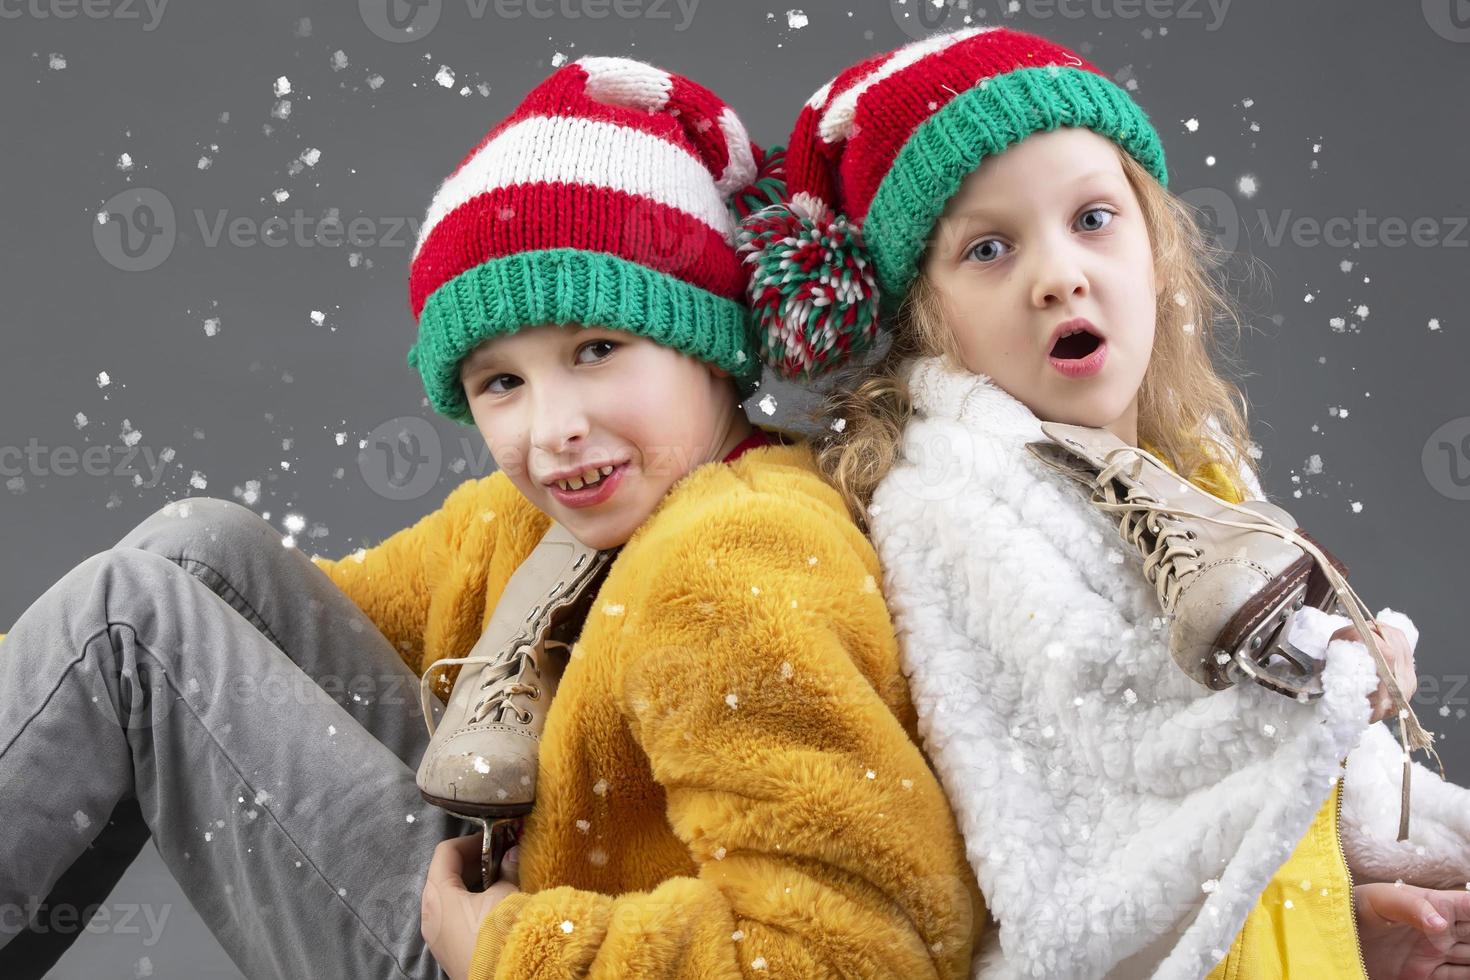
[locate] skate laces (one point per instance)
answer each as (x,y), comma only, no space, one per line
(1141,511)
(497,700)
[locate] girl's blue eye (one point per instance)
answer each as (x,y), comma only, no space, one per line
(975,252)
(1106,219)
(608,346)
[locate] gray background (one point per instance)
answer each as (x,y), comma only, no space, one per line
(1312,111)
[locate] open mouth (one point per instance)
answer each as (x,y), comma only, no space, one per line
(1075,345)
(587,480)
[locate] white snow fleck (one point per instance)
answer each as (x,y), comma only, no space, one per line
(566,925)
(280,194)
(198,480)
(103,380)
(331,729)
(759,963)
(58,61)
(125,162)
(768,405)
(738,934)
(1361,312)
(1247,185)
(81,420)
(295,523)
(445,76)
(612,608)
(339,60)
(796,19)
(482,765)
(720,853)
(282,86)
(600,787)
(143,968)
(80,820)
(318,317)
(733,700)
(1192,124)
(1434,323)
(375,82)
(1357,506)
(1314,464)
(310,156)
(558,59)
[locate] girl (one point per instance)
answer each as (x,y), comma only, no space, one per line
(727,782)
(998,205)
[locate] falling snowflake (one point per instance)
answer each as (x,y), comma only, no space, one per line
(1247,185)
(445,76)
(768,405)
(796,19)
(58,61)
(282,87)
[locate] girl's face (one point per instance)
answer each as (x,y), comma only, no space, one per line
(1042,239)
(594,426)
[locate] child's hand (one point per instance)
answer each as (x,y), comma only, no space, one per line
(1400,937)
(1400,656)
(451,913)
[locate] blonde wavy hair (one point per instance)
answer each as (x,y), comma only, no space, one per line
(1182,388)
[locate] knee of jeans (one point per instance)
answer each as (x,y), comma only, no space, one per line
(197,527)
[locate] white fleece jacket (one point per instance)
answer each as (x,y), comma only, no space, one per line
(1120,817)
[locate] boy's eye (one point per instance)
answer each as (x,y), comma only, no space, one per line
(1102,218)
(599,350)
(987,250)
(510,381)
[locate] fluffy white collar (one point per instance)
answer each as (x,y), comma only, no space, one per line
(1121,819)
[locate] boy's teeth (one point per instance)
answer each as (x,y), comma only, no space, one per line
(586,479)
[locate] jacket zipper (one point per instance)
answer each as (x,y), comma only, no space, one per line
(1352,902)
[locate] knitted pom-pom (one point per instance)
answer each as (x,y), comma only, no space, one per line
(812,291)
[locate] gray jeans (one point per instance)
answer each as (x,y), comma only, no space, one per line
(201,684)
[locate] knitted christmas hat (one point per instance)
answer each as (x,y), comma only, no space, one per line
(609,197)
(875,156)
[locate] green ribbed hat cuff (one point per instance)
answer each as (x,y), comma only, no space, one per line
(567,285)
(980,122)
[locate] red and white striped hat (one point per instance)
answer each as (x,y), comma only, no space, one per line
(609,197)
(875,156)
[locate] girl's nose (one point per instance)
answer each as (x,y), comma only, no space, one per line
(1059,279)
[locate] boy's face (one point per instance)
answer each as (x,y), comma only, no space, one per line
(1047,232)
(562,407)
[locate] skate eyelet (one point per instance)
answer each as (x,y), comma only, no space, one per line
(1190,535)
(526,718)
(535,694)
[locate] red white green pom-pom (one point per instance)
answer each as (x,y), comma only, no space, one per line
(812,290)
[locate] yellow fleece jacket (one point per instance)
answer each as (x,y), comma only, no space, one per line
(730,783)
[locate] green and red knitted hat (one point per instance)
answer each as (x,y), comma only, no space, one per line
(610,197)
(875,156)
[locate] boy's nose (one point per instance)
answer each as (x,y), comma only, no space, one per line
(560,421)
